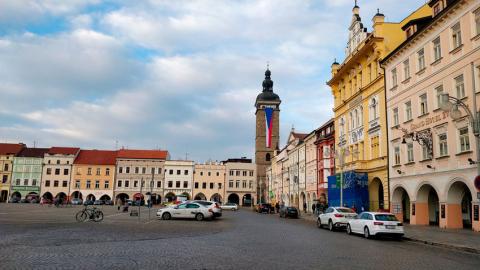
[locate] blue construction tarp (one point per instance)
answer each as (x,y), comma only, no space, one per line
(355,190)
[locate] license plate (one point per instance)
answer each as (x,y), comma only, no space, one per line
(390,226)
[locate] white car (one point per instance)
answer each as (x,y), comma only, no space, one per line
(372,223)
(335,217)
(185,210)
(230,206)
(214,206)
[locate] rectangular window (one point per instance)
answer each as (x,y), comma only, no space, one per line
(4,179)
(395,117)
(17,182)
(65,171)
(437,49)
(219,185)
(251,173)
(119,183)
(201,173)
(186,172)
(423,104)
(170,172)
(49,171)
(408,111)
(211,185)
(218,174)
(421,59)
(127,170)
(456,35)
(55,183)
(204,185)
(406,69)
(127,183)
(397,155)
(77,183)
(250,184)
(159,184)
(237,173)
(89,171)
(57,171)
(136,170)
(178,172)
(460,87)
(159,171)
(107,184)
(64,183)
(477,22)
(410,152)
(394,77)
(144,170)
(244,173)
(120,169)
(443,146)
(88,183)
(426,153)
(34,182)
(464,139)
(97,184)
(230,184)
(196,185)
(439,92)
(98,171)
(5,168)
(170,184)
(107,171)
(436,9)
(185,184)
(135,184)
(244,184)
(177,184)
(47,183)
(237,183)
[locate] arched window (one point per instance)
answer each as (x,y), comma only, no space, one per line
(373,109)
(267,157)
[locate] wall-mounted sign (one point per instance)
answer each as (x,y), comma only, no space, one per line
(429,120)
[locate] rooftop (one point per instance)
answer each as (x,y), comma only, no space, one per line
(96,157)
(142,154)
(33,152)
(11,148)
(63,150)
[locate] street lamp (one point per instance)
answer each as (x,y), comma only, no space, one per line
(452,105)
(424,138)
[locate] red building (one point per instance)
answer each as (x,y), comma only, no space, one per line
(325,141)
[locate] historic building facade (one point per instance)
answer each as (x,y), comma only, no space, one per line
(357,85)
(432,147)
(310,170)
(209,181)
(57,172)
(240,181)
(8,151)
(178,179)
(27,173)
(140,175)
(93,175)
(267,135)
(325,151)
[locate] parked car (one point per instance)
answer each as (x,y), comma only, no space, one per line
(129,202)
(229,206)
(217,210)
(265,208)
(34,200)
(108,202)
(77,201)
(98,202)
(288,211)
(88,202)
(335,217)
(24,201)
(376,223)
(185,210)
(14,200)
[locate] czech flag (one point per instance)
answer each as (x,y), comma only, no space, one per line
(269,122)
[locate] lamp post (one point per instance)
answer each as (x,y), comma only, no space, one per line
(452,105)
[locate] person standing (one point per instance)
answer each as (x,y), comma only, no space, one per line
(277,207)
(313,208)
(305,207)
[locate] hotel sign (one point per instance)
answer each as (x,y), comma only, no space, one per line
(429,120)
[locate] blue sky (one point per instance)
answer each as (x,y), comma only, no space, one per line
(176,75)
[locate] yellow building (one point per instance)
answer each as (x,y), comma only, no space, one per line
(357,85)
(209,181)
(7,152)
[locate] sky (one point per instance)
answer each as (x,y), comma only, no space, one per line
(176,75)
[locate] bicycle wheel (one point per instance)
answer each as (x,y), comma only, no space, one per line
(98,216)
(81,216)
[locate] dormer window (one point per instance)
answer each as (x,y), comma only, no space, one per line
(410,31)
(437,8)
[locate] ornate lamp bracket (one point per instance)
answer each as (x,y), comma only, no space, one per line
(424,138)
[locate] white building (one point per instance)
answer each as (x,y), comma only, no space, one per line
(178,179)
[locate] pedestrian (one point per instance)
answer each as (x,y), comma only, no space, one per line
(305,207)
(313,208)
(354,208)
(277,207)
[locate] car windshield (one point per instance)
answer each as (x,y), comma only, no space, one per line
(384,217)
(345,210)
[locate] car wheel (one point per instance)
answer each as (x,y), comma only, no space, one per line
(366,232)
(319,223)
(166,216)
(330,225)
(349,229)
(199,217)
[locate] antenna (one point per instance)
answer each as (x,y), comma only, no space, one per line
(268,64)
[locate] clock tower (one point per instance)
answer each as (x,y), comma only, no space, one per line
(267,136)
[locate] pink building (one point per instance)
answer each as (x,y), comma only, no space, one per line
(432,152)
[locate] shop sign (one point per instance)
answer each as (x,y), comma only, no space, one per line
(429,120)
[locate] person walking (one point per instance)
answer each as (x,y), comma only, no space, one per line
(305,207)
(313,208)
(277,207)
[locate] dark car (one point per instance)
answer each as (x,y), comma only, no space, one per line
(289,211)
(98,202)
(14,200)
(265,208)
(108,202)
(24,201)
(88,202)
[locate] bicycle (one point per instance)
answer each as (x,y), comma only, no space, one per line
(94,214)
